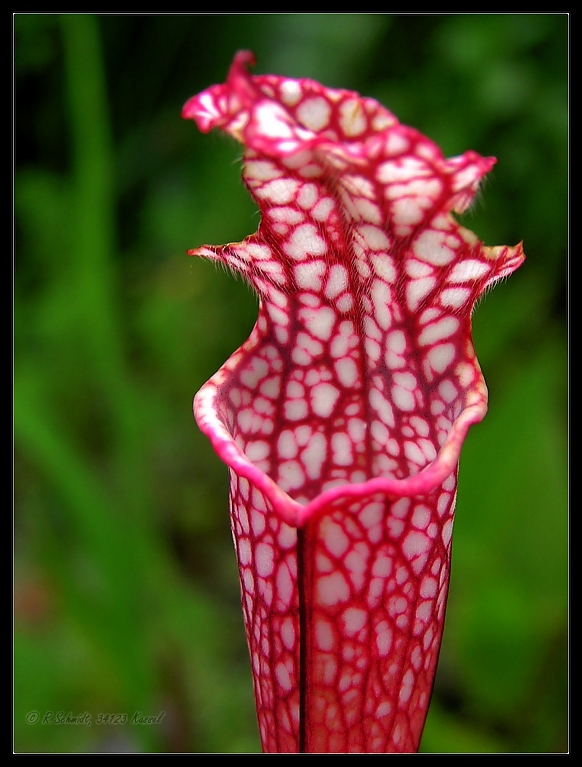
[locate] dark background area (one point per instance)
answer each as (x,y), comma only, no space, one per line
(125,581)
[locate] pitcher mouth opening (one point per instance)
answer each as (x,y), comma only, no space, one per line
(213,416)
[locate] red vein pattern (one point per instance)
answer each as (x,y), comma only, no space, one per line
(341,418)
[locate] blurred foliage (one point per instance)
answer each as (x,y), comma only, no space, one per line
(126,592)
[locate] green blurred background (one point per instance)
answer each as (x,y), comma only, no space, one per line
(126,592)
